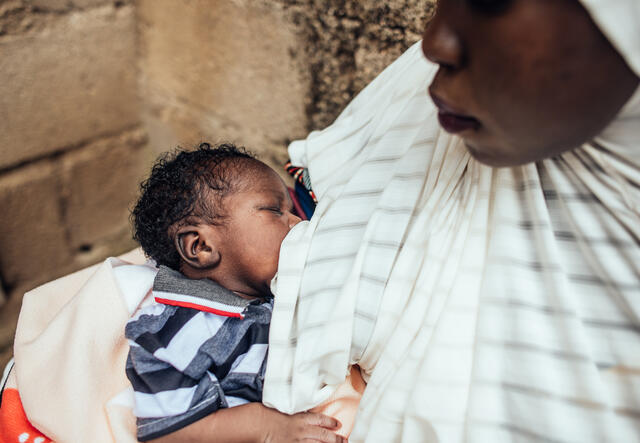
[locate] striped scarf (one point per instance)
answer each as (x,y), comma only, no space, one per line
(482,304)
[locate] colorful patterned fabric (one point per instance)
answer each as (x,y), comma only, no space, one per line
(304,195)
(14,424)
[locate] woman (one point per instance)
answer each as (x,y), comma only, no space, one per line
(481,303)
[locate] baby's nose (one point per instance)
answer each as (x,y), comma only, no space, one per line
(293,220)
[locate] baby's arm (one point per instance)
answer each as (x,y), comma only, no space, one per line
(255,423)
(182,402)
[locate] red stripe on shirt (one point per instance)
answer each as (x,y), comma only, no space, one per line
(184,304)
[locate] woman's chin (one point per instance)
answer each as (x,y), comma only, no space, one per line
(491,156)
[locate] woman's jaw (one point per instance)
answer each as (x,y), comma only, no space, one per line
(478,139)
(516,86)
(490,144)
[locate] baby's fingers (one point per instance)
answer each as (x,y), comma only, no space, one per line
(324,421)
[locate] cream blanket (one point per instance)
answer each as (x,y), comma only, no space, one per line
(483,304)
(70,351)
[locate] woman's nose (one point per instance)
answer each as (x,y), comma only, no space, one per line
(440,42)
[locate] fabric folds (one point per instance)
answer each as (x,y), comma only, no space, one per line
(482,304)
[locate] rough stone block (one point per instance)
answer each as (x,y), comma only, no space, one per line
(114,245)
(229,74)
(33,241)
(178,125)
(5,355)
(71,82)
(348,42)
(8,321)
(65,5)
(101,182)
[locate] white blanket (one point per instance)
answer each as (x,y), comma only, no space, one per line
(70,351)
(483,304)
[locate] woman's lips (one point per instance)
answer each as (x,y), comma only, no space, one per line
(455,123)
(451,120)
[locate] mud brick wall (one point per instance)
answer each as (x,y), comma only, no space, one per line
(263,72)
(222,71)
(92,90)
(348,43)
(72,146)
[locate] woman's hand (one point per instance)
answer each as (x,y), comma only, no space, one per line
(300,427)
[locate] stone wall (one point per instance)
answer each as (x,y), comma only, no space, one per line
(92,90)
(72,145)
(347,43)
(263,72)
(222,71)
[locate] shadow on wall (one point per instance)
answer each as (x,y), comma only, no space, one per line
(92,90)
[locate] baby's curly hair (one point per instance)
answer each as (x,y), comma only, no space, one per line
(174,193)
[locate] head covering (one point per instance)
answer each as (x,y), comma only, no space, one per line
(619,20)
(482,304)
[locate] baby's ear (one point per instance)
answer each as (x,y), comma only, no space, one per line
(196,246)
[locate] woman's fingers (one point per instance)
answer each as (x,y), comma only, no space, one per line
(321,420)
(318,434)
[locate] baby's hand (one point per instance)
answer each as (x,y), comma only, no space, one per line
(302,427)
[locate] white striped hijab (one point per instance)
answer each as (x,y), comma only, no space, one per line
(483,305)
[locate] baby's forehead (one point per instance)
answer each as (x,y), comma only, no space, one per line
(251,172)
(233,174)
(249,167)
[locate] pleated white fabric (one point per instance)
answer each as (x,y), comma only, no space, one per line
(483,304)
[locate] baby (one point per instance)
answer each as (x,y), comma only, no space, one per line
(213,220)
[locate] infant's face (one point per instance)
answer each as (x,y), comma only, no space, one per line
(258,217)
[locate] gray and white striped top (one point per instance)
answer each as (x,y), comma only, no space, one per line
(199,348)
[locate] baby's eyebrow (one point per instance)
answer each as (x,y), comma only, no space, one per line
(289,199)
(283,196)
(279,197)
